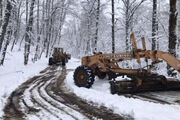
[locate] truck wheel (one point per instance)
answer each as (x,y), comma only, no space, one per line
(50,61)
(84,76)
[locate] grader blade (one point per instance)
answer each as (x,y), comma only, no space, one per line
(149,84)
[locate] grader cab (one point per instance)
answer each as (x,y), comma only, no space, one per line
(142,79)
(59,57)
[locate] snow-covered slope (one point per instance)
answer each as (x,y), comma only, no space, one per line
(100,94)
(13,73)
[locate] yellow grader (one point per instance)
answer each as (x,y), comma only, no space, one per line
(142,79)
(59,57)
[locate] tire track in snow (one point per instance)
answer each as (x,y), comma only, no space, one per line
(42,101)
(58,104)
(59,89)
(12,109)
(41,98)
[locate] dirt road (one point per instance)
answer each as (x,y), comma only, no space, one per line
(46,97)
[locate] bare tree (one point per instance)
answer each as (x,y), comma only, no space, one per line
(28,35)
(178,22)
(97,25)
(5,22)
(1,12)
(172,27)
(172,32)
(49,24)
(37,52)
(88,26)
(130,7)
(113,33)
(6,43)
(17,25)
(154,25)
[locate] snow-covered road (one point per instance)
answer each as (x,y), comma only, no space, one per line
(45,97)
(53,95)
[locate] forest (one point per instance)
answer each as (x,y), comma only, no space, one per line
(121,59)
(82,27)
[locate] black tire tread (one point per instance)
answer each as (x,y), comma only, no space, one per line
(90,74)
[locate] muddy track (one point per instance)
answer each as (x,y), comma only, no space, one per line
(12,109)
(46,97)
(80,105)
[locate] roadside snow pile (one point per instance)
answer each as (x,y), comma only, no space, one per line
(13,73)
(100,94)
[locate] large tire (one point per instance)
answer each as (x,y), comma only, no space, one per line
(50,61)
(84,76)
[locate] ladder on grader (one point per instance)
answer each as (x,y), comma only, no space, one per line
(142,80)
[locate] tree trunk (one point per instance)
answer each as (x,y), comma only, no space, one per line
(179,23)
(6,43)
(1,12)
(38,34)
(6,22)
(48,28)
(89,39)
(154,25)
(28,36)
(113,34)
(172,32)
(18,24)
(97,26)
(43,29)
(127,25)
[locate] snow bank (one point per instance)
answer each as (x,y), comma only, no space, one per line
(99,94)
(13,73)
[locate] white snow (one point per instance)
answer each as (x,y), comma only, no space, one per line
(13,73)
(100,94)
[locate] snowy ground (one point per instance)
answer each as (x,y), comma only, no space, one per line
(13,73)
(99,94)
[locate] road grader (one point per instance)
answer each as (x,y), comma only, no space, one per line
(59,57)
(141,79)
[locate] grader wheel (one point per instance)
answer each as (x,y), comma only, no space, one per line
(83,76)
